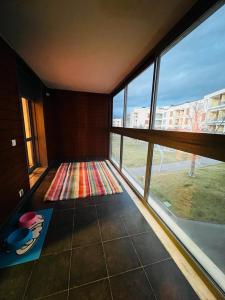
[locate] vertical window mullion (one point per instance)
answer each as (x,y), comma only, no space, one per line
(154,91)
(151,123)
(124,124)
(125,107)
(148,170)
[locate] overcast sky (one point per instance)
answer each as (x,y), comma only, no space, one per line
(192,69)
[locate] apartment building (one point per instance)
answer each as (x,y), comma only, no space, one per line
(216,111)
(117,122)
(204,115)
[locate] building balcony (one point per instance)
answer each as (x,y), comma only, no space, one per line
(216,106)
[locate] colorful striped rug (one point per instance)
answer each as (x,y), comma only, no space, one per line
(82,179)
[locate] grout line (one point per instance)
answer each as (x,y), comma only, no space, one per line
(157,262)
(124,272)
(89,282)
(126,236)
(104,278)
(71,252)
(107,271)
(96,243)
(49,295)
(140,262)
(28,279)
(142,266)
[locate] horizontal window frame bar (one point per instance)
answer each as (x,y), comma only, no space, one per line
(204,144)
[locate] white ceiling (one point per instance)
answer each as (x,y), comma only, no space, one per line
(86,45)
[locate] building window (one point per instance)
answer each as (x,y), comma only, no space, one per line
(188,77)
(138,100)
(134,161)
(117,115)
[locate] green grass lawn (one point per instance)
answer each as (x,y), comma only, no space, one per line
(199,198)
(135,153)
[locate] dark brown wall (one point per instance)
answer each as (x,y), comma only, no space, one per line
(13,166)
(77,125)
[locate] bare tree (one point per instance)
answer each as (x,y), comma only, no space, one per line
(198,114)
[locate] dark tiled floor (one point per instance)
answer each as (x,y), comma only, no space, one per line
(120,256)
(87,265)
(98,290)
(97,248)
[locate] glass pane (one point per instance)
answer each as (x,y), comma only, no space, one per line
(118,103)
(26,117)
(187,191)
(191,88)
(30,154)
(115,147)
(134,161)
(138,100)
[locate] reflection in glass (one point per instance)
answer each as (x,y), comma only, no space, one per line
(138,100)
(115,148)
(134,161)
(30,154)
(118,103)
(26,117)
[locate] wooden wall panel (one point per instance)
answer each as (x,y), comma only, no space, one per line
(81,121)
(13,165)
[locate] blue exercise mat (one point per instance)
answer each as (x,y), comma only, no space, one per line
(32,249)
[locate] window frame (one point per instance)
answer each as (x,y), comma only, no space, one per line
(210,145)
(32,137)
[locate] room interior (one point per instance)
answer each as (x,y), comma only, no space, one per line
(107,169)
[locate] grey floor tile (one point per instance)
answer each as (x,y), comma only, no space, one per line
(86,228)
(94,291)
(120,256)
(136,223)
(149,248)
(84,202)
(131,285)
(62,217)
(59,233)
(109,210)
(65,204)
(169,283)
(88,264)
(112,228)
(50,275)
(13,281)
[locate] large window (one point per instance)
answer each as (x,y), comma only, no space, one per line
(191,87)
(139,99)
(187,191)
(134,161)
(115,140)
(118,104)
